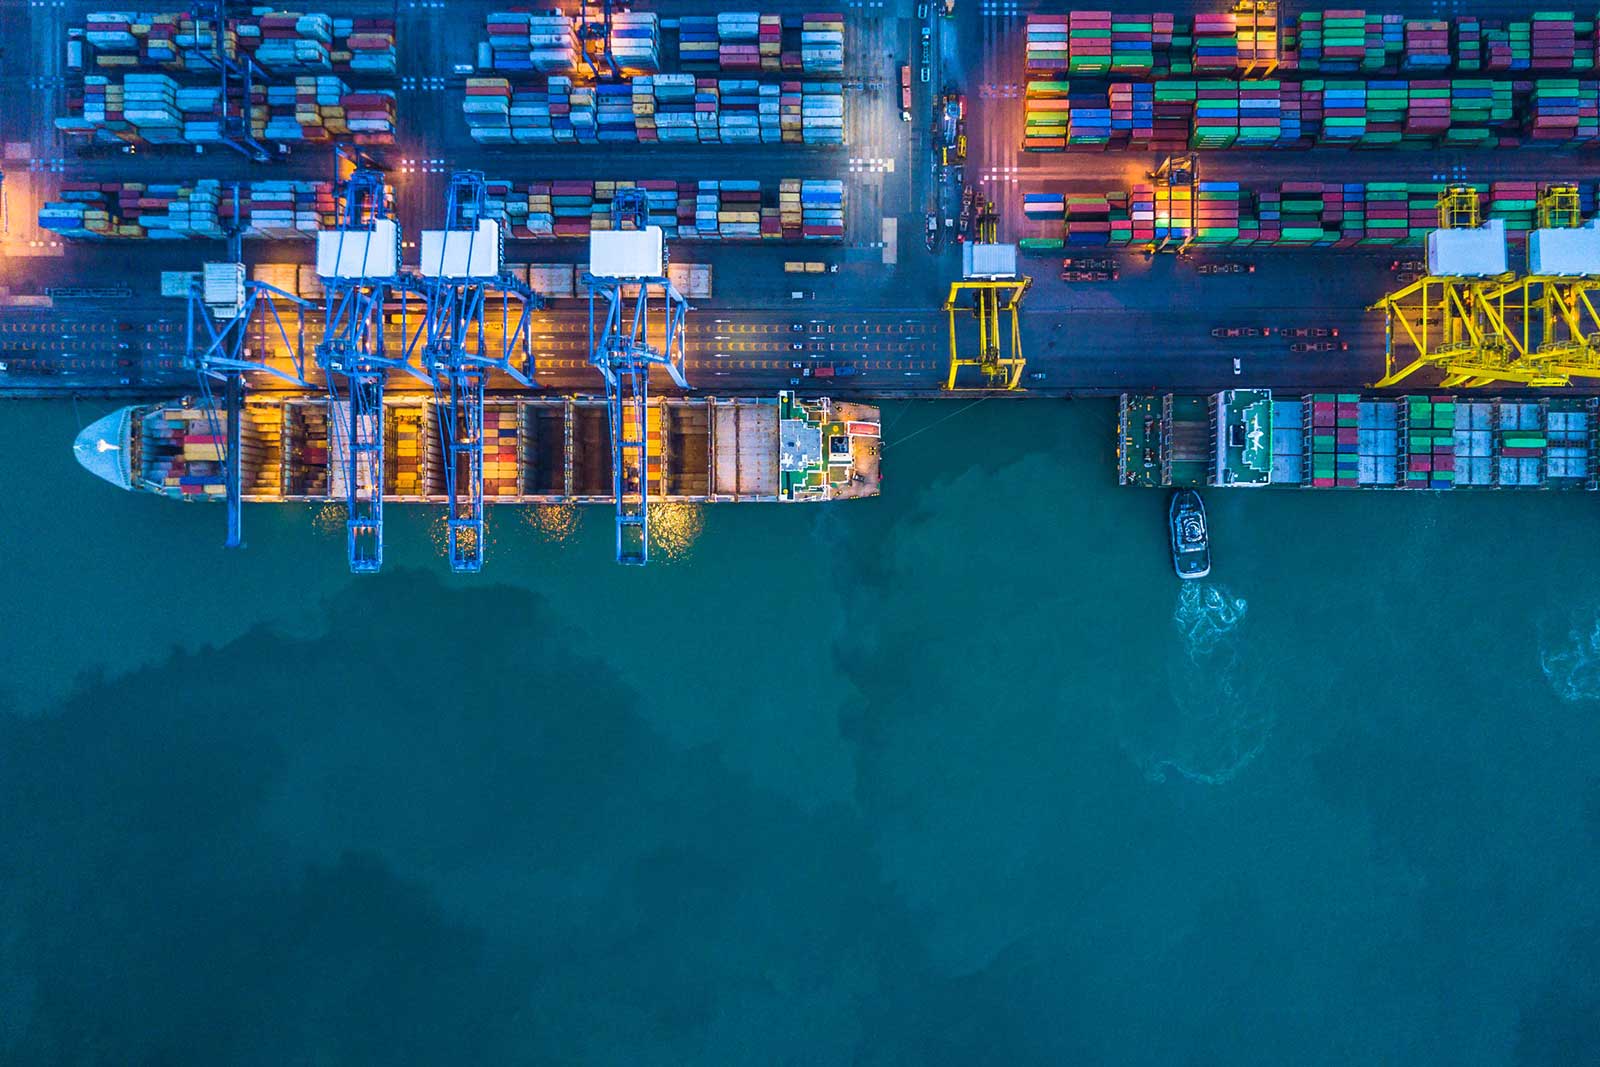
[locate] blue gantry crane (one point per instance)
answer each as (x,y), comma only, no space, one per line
(594,28)
(462,270)
(237,75)
(222,307)
(359,264)
(632,253)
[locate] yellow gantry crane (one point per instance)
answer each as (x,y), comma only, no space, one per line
(1550,313)
(1455,319)
(1257,29)
(990,289)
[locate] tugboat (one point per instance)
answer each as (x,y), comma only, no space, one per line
(1191,543)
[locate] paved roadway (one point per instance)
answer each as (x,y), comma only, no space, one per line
(1151,328)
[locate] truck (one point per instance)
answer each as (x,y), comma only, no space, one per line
(905,92)
(951,132)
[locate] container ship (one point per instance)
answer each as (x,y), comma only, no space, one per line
(553,450)
(1248,438)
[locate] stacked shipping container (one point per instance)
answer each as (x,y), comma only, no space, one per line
(1294,214)
(205,209)
(704,210)
(280,42)
(1173,115)
(1243,43)
(663,108)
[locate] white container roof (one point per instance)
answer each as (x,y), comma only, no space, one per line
(988,261)
(360,253)
(1565,253)
(461,254)
(1477,253)
(628,253)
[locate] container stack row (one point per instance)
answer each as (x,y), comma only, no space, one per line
(1245,43)
(1293,215)
(662,108)
(156,109)
(292,43)
(282,43)
(1331,448)
(181,452)
(409,461)
(323,108)
(736,210)
(501,432)
(1427,427)
(136,210)
(522,43)
(1344,440)
(1212,115)
(546,42)
(308,432)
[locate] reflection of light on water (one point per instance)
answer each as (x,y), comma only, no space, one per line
(1574,671)
(554,522)
(674,527)
(439,534)
(328,520)
(1215,730)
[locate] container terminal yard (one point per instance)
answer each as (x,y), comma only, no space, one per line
(613,253)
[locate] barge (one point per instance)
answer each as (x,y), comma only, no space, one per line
(537,450)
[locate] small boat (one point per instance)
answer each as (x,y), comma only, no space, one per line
(1191,542)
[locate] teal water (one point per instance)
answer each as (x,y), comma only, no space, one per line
(958,776)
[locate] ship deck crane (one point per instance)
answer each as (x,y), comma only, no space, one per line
(461,268)
(622,349)
(221,307)
(995,290)
(358,262)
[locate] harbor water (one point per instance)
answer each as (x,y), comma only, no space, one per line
(959,775)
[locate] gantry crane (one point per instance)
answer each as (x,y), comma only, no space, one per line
(1550,312)
(632,253)
(1449,319)
(359,264)
(594,26)
(461,269)
(1176,189)
(222,306)
(989,277)
(238,70)
(1480,323)
(1257,22)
